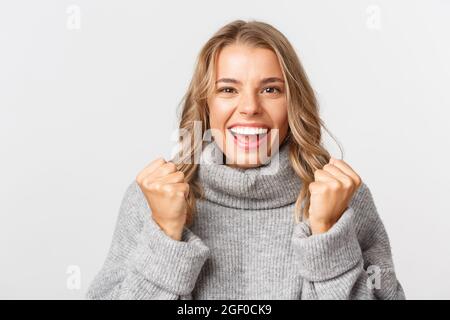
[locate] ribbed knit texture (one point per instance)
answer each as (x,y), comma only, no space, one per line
(244,244)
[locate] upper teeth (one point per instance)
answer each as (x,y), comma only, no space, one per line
(248,130)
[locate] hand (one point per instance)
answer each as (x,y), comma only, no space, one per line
(166,193)
(331,192)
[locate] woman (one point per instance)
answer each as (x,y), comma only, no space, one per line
(265,213)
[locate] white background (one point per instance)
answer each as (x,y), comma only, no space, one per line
(83,110)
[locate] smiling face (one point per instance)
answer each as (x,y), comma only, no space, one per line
(248,109)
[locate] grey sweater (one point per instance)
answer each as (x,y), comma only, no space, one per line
(245,244)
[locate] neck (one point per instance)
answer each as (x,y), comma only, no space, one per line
(271,185)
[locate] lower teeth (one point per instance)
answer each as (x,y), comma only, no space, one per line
(247,137)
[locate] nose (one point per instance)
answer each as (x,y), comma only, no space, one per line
(249,105)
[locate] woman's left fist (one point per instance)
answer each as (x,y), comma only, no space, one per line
(331,191)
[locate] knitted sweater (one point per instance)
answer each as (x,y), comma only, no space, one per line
(244,244)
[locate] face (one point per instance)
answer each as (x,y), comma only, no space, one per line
(248,109)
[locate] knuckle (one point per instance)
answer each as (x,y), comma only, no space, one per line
(154,187)
(347,183)
(182,190)
(181,174)
(317,173)
(138,179)
(334,185)
(180,194)
(158,161)
(171,166)
(145,182)
(168,189)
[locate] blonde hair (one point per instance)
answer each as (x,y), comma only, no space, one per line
(306,152)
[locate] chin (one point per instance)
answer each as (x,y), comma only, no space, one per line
(245,157)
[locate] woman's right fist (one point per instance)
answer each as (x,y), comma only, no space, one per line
(166,193)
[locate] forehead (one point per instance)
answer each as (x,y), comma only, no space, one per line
(244,62)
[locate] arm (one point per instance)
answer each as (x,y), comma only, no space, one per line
(143,262)
(352,260)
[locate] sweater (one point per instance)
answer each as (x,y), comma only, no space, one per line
(244,243)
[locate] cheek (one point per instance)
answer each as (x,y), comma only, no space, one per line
(219,112)
(279,116)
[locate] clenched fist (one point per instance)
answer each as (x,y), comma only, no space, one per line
(331,191)
(166,193)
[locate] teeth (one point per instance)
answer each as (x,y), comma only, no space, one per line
(248,130)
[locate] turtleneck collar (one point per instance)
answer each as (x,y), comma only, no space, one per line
(272,185)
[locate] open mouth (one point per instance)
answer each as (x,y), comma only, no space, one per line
(249,138)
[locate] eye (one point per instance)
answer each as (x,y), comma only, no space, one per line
(227,90)
(277,90)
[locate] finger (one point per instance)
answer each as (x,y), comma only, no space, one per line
(316,187)
(150,168)
(177,187)
(165,169)
(342,165)
(323,176)
(175,177)
(339,174)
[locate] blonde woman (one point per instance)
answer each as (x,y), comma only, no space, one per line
(257,210)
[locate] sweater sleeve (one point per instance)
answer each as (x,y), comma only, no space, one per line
(352,260)
(143,262)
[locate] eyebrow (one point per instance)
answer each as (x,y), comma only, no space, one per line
(263,81)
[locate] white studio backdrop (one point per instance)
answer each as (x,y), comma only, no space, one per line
(88,96)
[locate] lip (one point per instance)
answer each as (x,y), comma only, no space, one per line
(251,124)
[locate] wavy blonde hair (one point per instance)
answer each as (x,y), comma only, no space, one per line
(306,152)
